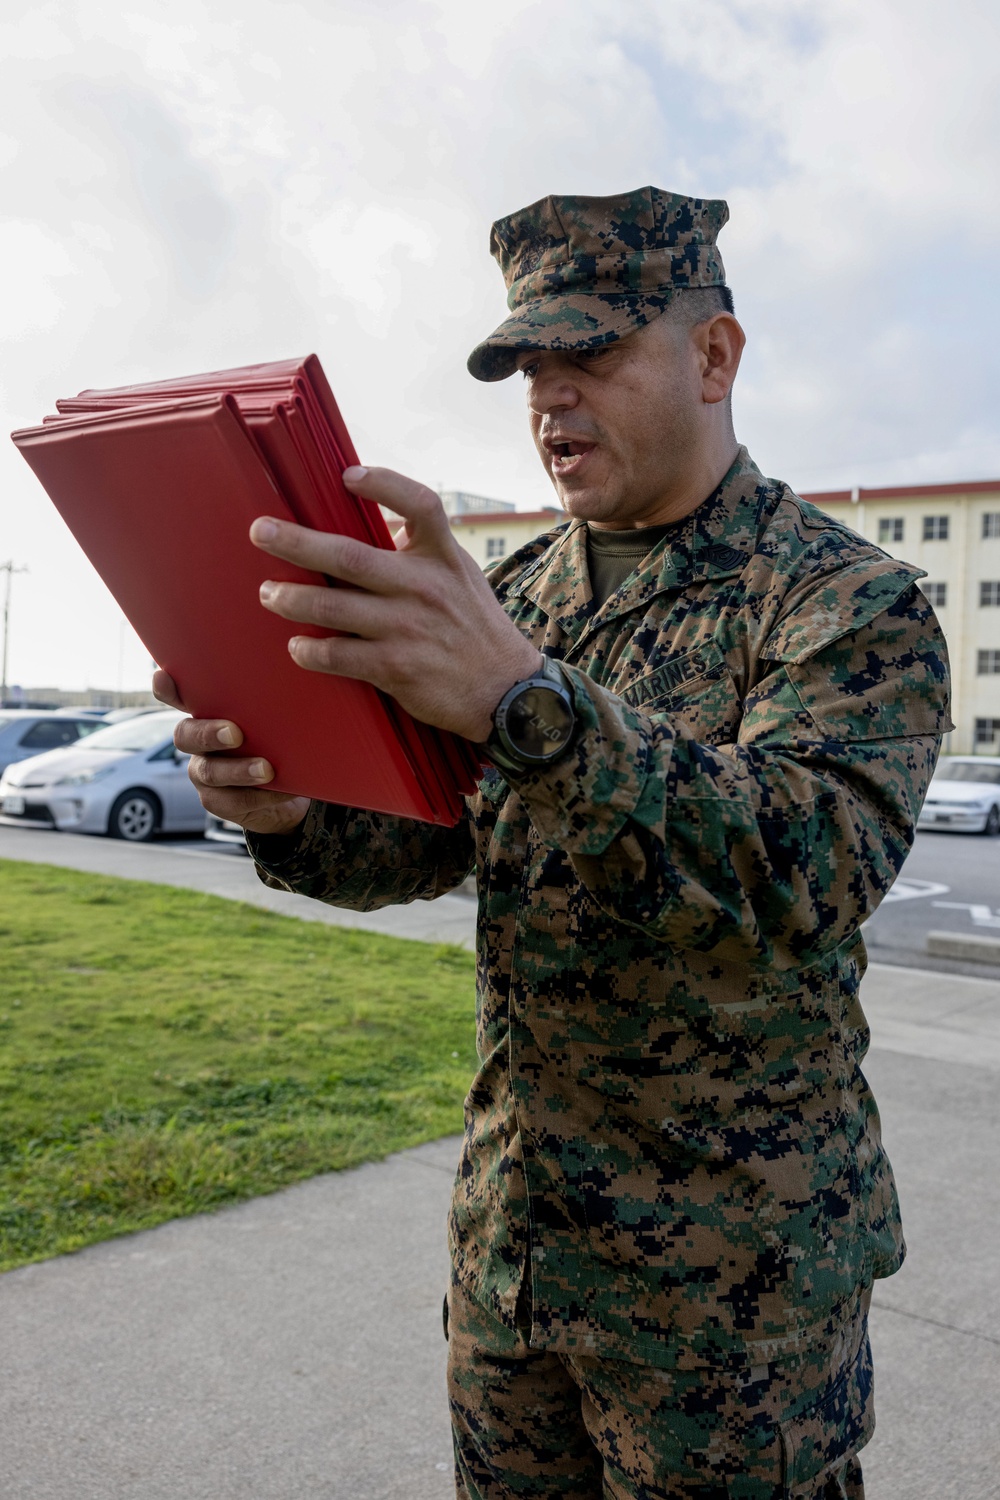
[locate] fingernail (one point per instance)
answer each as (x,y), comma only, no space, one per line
(260,770)
(355,474)
(266,590)
(293,645)
(225,736)
(263,529)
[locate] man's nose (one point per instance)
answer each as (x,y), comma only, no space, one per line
(552,390)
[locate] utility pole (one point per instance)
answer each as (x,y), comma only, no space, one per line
(8,568)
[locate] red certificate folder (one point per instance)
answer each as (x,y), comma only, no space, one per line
(159,484)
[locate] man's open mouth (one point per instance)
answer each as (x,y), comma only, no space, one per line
(568,455)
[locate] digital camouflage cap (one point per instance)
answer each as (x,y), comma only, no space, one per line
(581,272)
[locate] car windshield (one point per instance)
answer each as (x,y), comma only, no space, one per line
(969,770)
(141,733)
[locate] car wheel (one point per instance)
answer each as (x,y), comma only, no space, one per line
(992,825)
(135,817)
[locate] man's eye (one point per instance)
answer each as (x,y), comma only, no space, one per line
(530,370)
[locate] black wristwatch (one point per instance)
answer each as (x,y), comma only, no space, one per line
(534,722)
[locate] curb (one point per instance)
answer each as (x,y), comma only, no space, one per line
(967,946)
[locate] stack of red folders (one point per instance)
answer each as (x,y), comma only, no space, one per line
(159,484)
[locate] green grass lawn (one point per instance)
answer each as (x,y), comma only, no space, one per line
(163,1052)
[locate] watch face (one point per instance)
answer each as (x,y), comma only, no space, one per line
(539,722)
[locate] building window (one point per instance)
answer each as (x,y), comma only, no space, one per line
(890,529)
(988,663)
(987,731)
(991,525)
(936,594)
(935,528)
(496,546)
(989,593)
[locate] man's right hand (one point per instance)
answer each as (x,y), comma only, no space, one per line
(229,786)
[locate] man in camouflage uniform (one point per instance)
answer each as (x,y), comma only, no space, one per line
(672,1198)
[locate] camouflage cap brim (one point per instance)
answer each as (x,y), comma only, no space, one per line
(582,272)
(573,320)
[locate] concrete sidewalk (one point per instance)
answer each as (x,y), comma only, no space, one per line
(285,1349)
(291,1347)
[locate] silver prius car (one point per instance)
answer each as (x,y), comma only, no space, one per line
(964,795)
(25,732)
(126,780)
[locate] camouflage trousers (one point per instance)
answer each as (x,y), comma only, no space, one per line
(535,1423)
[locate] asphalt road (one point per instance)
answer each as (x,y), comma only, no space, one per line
(950,883)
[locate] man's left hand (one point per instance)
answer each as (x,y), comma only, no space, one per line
(421,623)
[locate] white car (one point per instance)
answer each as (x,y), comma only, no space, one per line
(127,781)
(964,795)
(221,831)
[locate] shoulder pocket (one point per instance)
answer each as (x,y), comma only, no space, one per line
(836,606)
(887,679)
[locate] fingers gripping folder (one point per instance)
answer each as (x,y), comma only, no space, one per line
(159,484)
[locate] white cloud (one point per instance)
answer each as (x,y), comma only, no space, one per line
(384,242)
(34,263)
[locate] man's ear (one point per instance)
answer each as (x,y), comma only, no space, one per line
(720,342)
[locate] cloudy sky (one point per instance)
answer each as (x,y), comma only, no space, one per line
(193,185)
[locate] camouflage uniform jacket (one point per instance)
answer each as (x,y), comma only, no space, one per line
(669,1122)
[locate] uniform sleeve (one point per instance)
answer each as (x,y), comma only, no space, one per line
(775,848)
(364,860)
